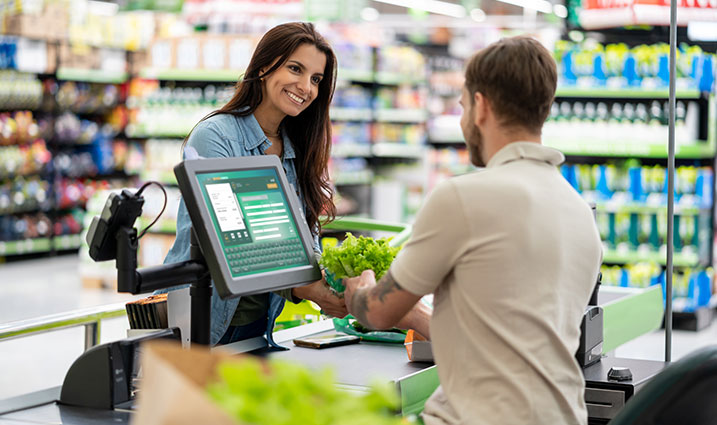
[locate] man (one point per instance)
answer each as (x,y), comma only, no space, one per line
(511,253)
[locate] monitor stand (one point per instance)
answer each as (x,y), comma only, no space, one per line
(149,279)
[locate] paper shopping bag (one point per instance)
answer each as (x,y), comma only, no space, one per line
(172,389)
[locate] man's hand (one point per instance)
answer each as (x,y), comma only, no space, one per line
(379,305)
(320,293)
(366,280)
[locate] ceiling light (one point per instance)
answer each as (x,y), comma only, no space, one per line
(560,11)
(432,6)
(539,5)
(369,14)
(477,15)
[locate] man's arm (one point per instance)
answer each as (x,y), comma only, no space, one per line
(385,304)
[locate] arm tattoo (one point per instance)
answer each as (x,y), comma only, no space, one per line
(385,286)
(360,307)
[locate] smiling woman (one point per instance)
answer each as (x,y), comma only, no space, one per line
(280,107)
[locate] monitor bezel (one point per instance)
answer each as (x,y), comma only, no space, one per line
(226,285)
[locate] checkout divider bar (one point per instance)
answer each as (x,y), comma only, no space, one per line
(90,318)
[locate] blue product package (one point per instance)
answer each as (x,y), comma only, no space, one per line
(599,73)
(707,76)
(636,189)
(630,71)
(568,70)
(663,70)
(624,278)
(602,186)
(102,153)
(568,171)
(704,283)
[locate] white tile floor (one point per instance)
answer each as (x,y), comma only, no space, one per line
(39,287)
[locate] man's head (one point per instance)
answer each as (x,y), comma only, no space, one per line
(508,91)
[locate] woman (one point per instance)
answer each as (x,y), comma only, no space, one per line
(281,107)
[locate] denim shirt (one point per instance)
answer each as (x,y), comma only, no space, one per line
(226,135)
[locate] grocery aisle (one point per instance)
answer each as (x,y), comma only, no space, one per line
(40,287)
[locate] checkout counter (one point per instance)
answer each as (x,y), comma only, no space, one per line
(222,196)
(628,312)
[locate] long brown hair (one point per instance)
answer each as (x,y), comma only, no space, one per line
(310,131)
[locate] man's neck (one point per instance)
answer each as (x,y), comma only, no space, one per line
(497,139)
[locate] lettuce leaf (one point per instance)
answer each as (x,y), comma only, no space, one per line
(355,255)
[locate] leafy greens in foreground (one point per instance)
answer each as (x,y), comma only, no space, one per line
(281,393)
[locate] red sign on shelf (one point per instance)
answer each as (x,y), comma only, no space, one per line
(617,13)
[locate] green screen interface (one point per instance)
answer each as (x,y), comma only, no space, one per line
(252,218)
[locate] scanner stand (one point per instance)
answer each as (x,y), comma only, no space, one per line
(102,377)
(149,279)
(591,331)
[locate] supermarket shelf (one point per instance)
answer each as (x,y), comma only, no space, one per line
(67,242)
(630,93)
(679,259)
(351,114)
(358,75)
(392,78)
(30,246)
(698,150)
(401,115)
(649,209)
(91,75)
(354,178)
(398,150)
(348,150)
(228,76)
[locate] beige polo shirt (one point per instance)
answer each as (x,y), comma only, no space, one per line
(512,254)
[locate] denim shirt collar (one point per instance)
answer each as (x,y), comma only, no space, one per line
(257,138)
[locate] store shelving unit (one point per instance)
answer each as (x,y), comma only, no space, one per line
(91,75)
(196,75)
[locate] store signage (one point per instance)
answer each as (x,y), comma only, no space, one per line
(616,13)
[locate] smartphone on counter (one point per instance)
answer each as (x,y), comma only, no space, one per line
(325,341)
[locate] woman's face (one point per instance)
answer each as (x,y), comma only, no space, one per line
(295,84)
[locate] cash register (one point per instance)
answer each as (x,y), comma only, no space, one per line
(249,235)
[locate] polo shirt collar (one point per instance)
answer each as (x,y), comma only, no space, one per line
(256,136)
(526,150)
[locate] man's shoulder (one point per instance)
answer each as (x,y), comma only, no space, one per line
(483,179)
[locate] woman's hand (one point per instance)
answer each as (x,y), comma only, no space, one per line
(320,293)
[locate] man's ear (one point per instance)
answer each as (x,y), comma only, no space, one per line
(481,108)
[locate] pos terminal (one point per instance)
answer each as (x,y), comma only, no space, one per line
(249,224)
(249,235)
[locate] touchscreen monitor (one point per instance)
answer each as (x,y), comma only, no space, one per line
(249,223)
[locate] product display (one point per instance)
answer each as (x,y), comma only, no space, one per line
(692,287)
(617,66)
(163,112)
(19,90)
(97,99)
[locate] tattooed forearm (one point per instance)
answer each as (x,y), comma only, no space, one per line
(359,309)
(361,298)
(385,286)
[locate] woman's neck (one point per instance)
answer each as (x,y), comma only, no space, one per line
(268,119)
